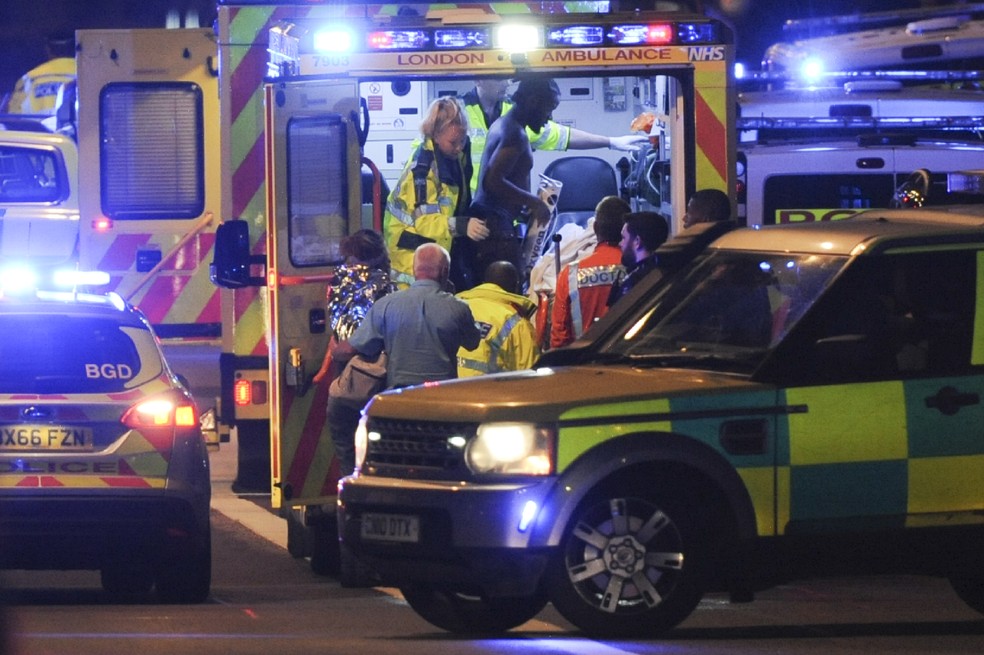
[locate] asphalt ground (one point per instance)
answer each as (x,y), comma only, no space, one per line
(252,510)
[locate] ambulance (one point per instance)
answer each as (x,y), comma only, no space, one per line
(326,98)
(146,119)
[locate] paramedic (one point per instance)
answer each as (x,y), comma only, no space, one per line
(428,202)
(583,286)
(503,318)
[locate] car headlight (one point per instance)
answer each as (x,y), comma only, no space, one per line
(512,448)
(361,442)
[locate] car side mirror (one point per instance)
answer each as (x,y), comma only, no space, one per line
(232,264)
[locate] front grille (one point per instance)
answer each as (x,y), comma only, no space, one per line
(418,449)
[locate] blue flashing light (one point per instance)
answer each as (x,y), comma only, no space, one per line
(812,69)
(333,41)
(462,38)
(398,40)
(18,280)
(526,518)
(576,35)
(69,279)
(690,33)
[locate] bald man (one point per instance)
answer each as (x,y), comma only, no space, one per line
(421,327)
(503,317)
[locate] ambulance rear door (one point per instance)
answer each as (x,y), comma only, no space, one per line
(313,153)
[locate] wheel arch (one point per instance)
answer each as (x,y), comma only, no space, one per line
(676,457)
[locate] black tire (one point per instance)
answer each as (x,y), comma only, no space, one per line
(629,564)
(128,579)
(466,614)
(186,577)
(353,574)
(970,590)
(325,556)
(298,536)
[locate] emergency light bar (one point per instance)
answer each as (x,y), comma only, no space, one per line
(459,39)
(517,37)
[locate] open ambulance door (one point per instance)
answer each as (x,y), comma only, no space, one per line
(314,134)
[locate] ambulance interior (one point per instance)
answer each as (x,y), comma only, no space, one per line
(598,105)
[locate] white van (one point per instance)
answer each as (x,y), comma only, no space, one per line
(826,153)
(39,202)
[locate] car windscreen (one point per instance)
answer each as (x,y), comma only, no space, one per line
(726,309)
(66,354)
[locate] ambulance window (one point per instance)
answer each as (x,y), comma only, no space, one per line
(31,175)
(317,190)
(152,150)
(58,354)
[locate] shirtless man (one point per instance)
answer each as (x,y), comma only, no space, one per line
(503,198)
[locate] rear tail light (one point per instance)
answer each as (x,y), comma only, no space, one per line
(249,392)
(173,410)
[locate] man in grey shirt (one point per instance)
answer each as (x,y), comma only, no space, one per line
(420,327)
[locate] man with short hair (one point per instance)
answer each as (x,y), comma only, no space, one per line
(707,206)
(487,102)
(642,234)
(420,328)
(583,286)
(503,198)
(503,318)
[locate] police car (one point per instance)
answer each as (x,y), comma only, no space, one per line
(102,461)
(795,401)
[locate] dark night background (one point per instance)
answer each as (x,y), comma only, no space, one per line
(24,24)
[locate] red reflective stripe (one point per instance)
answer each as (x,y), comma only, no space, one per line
(247,178)
(122,252)
(309,438)
(212,311)
(712,137)
(128,482)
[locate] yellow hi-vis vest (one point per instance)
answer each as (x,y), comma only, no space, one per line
(553,136)
(508,337)
(420,209)
(37,91)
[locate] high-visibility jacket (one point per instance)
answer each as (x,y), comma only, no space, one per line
(553,136)
(422,205)
(582,293)
(508,337)
(37,91)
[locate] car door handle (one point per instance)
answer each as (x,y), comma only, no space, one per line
(949,400)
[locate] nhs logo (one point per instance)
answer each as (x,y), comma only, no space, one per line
(705,53)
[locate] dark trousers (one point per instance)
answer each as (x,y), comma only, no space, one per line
(342,421)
